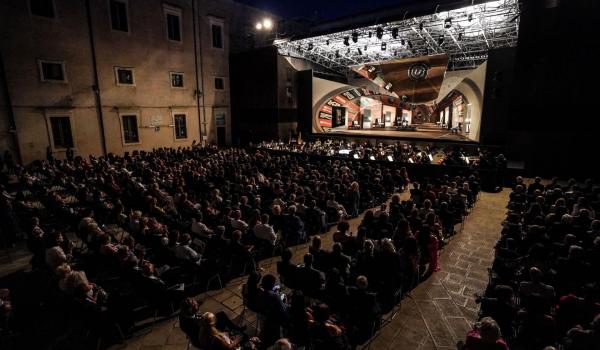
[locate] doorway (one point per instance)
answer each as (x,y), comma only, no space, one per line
(221,136)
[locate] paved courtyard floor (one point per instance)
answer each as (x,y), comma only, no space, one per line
(436,315)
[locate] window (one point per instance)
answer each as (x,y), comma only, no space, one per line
(177,80)
(124,76)
(52,71)
(219,84)
(42,8)
(217,36)
(61,132)
(118,15)
(130,129)
(173,21)
(180,127)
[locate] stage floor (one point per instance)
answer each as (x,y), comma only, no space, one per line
(422,133)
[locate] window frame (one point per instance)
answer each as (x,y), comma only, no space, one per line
(41,61)
(44,17)
(59,114)
(215,83)
(174,114)
(171,80)
(220,23)
(122,126)
(117,68)
(110,19)
(172,10)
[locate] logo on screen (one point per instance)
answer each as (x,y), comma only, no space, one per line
(418,71)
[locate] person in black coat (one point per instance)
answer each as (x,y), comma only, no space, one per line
(310,280)
(288,271)
(364,310)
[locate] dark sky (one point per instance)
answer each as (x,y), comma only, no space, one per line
(324,9)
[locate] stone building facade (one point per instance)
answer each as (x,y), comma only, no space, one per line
(113,76)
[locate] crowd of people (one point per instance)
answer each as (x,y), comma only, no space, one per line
(394,152)
(156,227)
(545,280)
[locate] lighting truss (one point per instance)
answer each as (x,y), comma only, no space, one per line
(467,37)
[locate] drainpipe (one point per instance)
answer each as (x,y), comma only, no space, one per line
(96,86)
(199,81)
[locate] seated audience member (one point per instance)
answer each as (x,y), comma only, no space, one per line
(580,338)
(212,338)
(288,271)
(273,310)
(320,256)
(485,335)
(324,331)
(535,286)
(310,280)
(263,231)
(336,292)
(293,227)
(364,311)
(281,344)
(339,260)
(186,253)
(501,308)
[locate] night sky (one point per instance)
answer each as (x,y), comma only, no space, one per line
(322,9)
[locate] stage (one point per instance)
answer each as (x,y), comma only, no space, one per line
(423,132)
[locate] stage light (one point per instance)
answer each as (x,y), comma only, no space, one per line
(355,156)
(267,23)
(346,41)
(390,158)
(372,157)
(395,33)
(421,26)
(259,26)
(354,37)
(430,157)
(383,46)
(379,32)
(388,86)
(448,23)
(410,160)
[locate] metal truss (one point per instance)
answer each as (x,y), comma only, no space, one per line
(465,34)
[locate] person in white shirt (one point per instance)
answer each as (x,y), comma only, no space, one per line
(264,231)
(199,228)
(184,252)
(237,223)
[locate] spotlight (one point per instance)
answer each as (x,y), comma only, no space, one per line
(441,40)
(379,32)
(395,33)
(346,41)
(448,23)
(355,155)
(267,23)
(354,37)
(388,86)
(390,158)
(383,46)
(372,157)
(421,26)
(259,26)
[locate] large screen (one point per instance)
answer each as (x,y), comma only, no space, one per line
(409,98)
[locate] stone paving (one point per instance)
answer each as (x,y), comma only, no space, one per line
(436,315)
